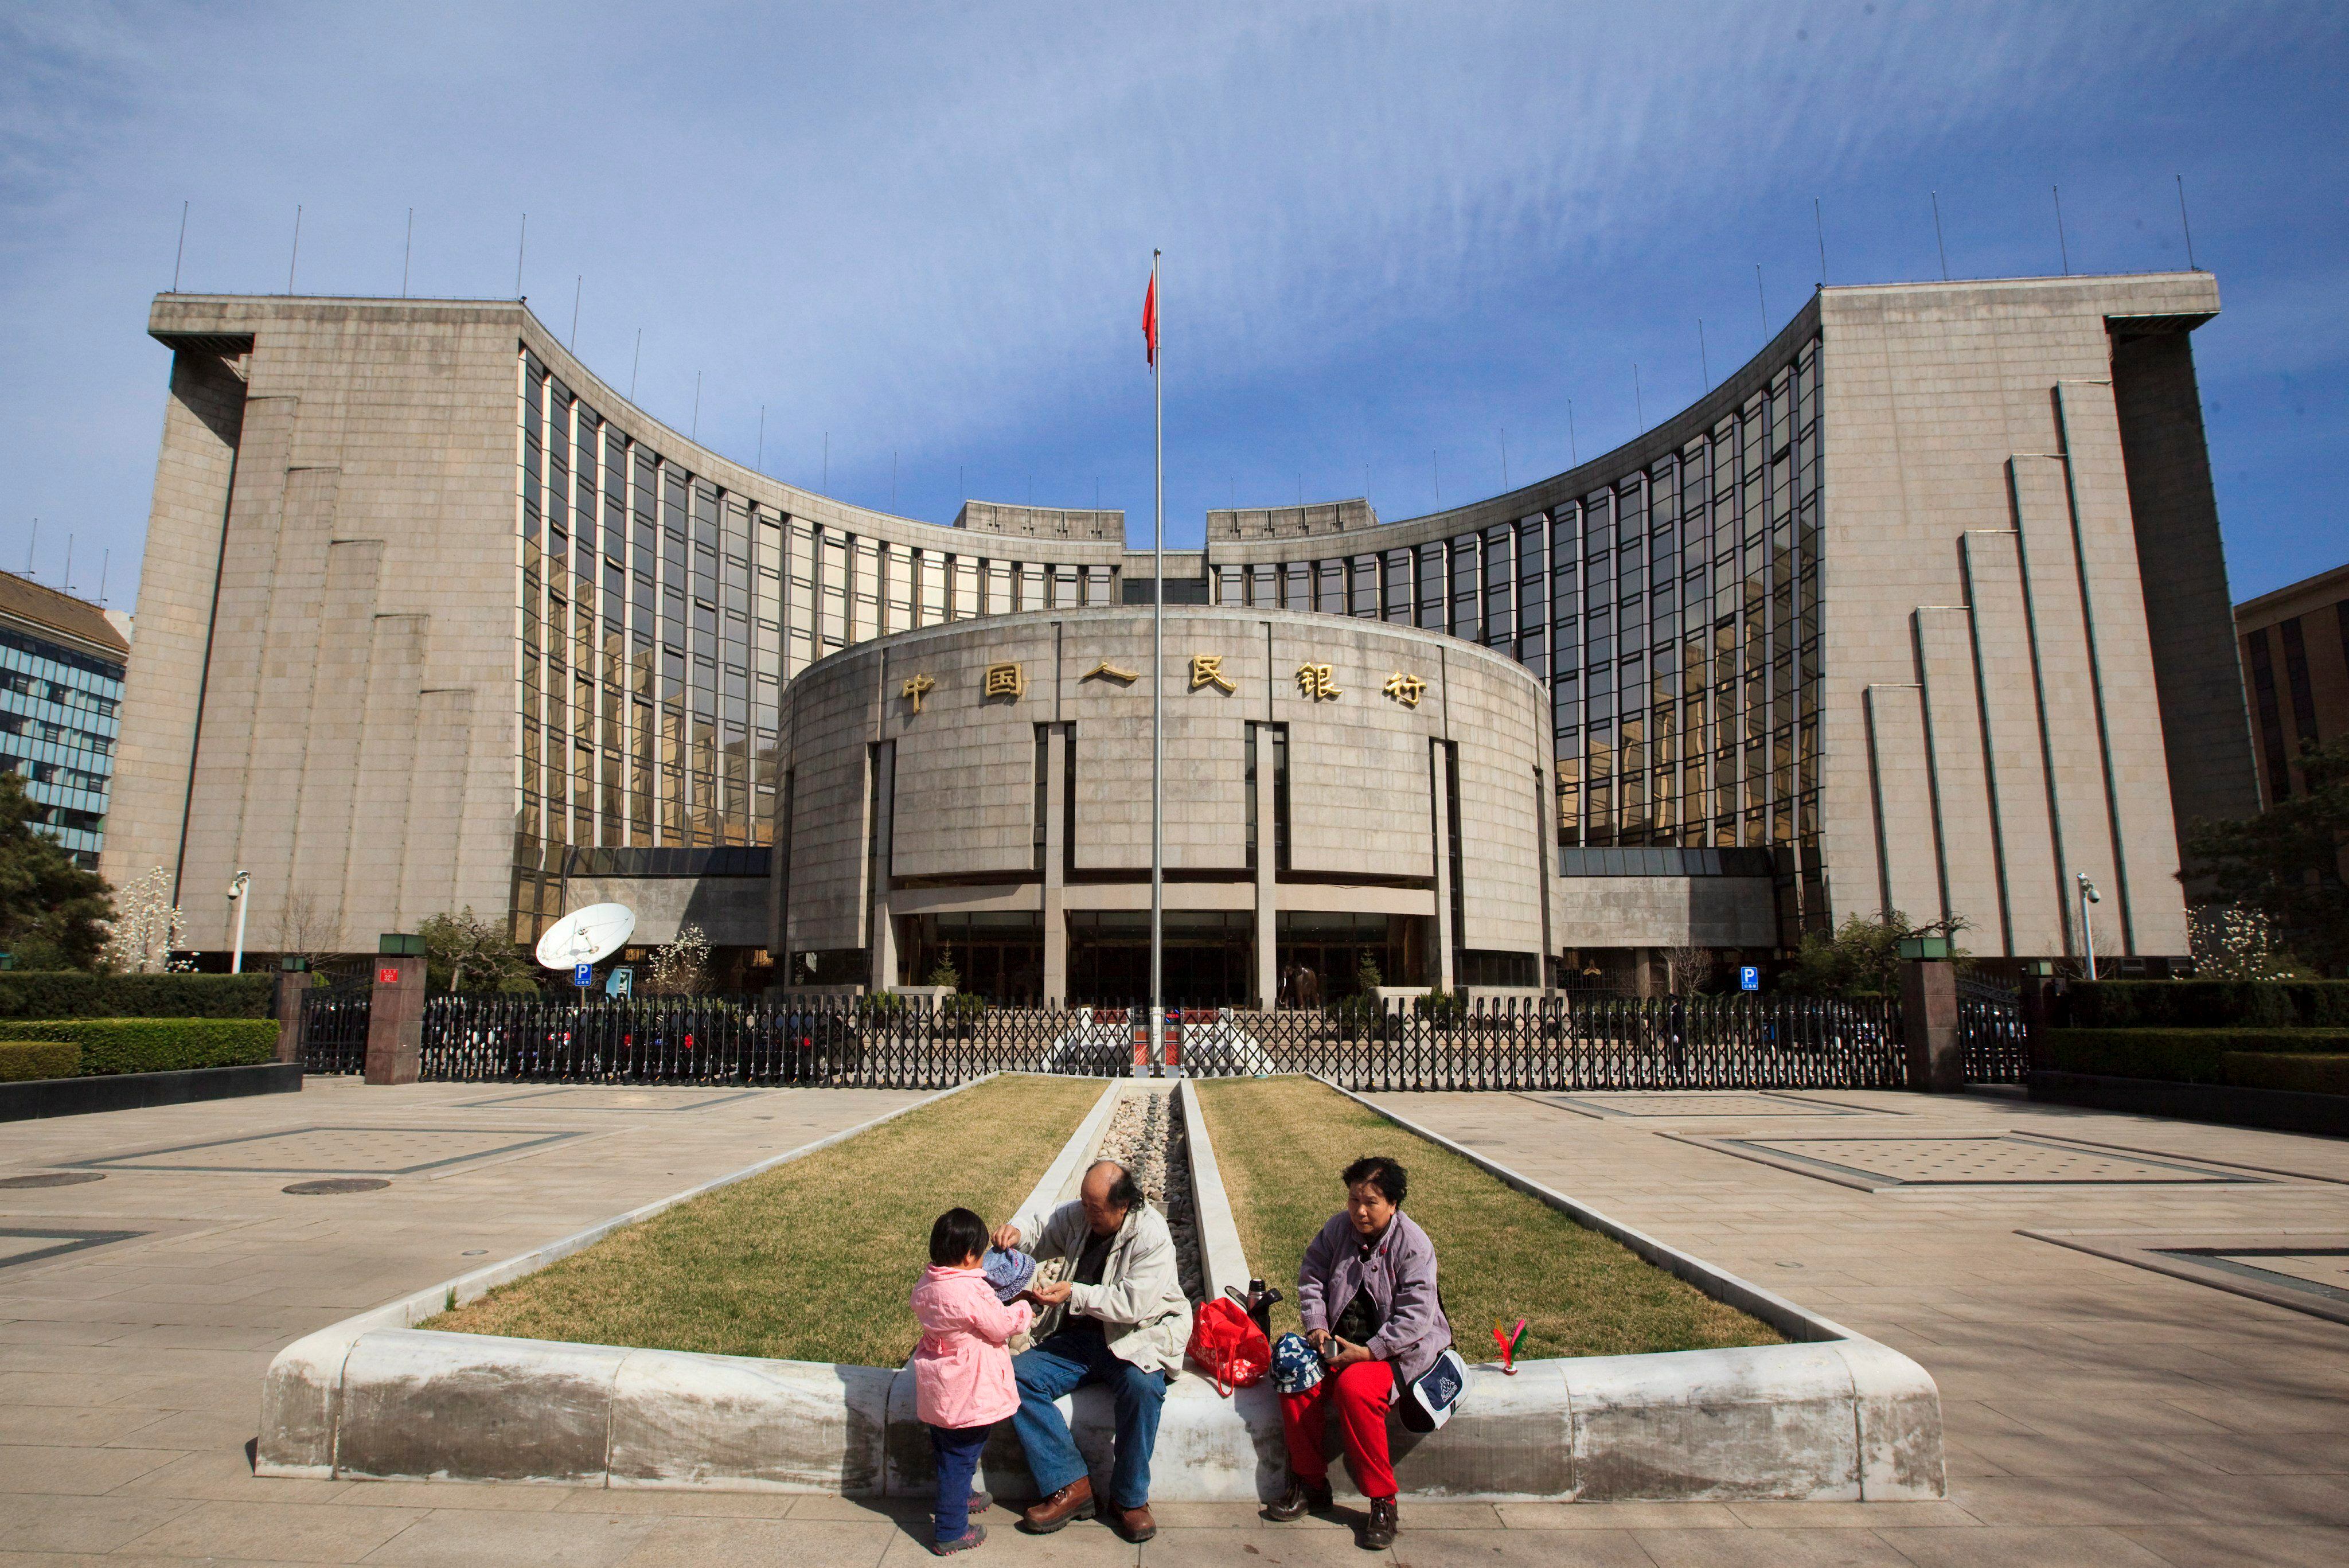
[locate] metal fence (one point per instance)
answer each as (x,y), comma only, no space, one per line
(1989,1025)
(1556,1044)
(334,1020)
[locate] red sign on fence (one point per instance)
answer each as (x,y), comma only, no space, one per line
(387,977)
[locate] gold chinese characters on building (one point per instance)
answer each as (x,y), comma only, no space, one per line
(918,687)
(1318,683)
(1406,690)
(1208,669)
(1105,670)
(1008,681)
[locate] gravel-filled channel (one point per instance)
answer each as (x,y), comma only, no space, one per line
(1145,1136)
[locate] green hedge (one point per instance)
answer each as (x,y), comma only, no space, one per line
(155,1044)
(68,993)
(2299,1072)
(2210,1004)
(23,1061)
(2180,1055)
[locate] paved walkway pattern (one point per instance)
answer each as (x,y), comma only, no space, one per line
(2096,1413)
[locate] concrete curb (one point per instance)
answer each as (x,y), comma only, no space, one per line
(303,1394)
(1833,1416)
(40,1097)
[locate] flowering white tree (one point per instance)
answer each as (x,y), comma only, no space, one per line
(147,927)
(681,968)
(2232,942)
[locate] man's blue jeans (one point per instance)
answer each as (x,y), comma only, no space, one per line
(1061,1364)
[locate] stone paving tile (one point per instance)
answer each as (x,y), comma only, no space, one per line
(758,1544)
(502,1498)
(1770,1549)
(1084,1544)
(2251,1500)
(665,1503)
(276,1531)
(474,1538)
(77,1473)
(2086,1547)
(2244,1546)
(1850,1515)
(1432,1548)
(80,1426)
(83,1523)
(1619,1515)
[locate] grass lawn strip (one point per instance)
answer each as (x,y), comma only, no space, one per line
(812,1261)
(1281,1143)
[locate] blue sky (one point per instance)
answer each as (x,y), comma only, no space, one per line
(920,233)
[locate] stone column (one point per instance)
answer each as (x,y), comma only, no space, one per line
(1056,838)
(293,985)
(1439,799)
(1929,1017)
(394,1050)
(1268,899)
(882,940)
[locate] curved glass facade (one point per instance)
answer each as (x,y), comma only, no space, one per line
(1673,612)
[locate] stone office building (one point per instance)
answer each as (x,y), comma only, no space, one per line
(979,792)
(1922,608)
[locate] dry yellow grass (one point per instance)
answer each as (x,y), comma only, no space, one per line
(1281,1143)
(812,1261)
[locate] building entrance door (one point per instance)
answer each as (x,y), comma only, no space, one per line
(1208,961)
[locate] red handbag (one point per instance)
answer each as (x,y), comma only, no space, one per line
(1226,1345)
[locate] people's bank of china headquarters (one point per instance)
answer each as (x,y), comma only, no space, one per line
(1924,608)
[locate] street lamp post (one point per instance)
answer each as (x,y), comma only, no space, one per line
(2089,895)
(236,895)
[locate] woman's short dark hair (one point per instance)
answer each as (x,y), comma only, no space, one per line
(1381,1172)
(957,1237)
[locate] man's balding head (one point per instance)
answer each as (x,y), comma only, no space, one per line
(1108,1193)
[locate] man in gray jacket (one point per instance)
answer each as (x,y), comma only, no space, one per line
(1126,1324)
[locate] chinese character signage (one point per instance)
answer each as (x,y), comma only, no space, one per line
(918,687)
(1006,680)
(1318,683)
(1208,669)
(1406,690)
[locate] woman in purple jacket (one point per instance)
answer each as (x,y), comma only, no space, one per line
(1367,1293)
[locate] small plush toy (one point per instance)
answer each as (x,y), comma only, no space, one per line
(1508,1339)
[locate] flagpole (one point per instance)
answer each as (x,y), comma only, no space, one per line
(1157,671)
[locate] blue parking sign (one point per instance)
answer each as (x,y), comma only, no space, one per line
(583,974)
(1749,978)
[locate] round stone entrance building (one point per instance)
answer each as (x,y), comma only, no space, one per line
(1338,790)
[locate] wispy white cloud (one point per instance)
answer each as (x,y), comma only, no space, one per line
(924,228)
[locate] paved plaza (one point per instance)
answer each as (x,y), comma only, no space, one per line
(2097,1412)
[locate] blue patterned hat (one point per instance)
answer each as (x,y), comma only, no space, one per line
(1296,1365)
(1008,1272)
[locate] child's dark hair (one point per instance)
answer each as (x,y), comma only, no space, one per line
(1382,1173)
(957,1237)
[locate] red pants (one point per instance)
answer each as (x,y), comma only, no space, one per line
(1363,1393)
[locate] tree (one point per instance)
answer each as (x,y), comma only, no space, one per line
(53,913)
(305,930)
(2231,942)
(465,952)
(148,929)
(681,968)
(1862,958)
(2287,862)
(1688,969)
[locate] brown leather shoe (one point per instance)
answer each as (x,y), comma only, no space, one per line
(1133,1524)
(1379,1533)
(1301,1499)
(1074,1501)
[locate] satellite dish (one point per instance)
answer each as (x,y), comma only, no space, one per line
(586,935)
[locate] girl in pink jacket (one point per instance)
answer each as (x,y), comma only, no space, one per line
(962,1369)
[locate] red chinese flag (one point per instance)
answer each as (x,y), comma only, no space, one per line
(1150,321)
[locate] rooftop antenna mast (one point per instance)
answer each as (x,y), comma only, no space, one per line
(1703,363)
(1935,196)
(2186,225)
(30,548)
(522,245)
(182,254)
(297,256)
(2062,250)
(409,254)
